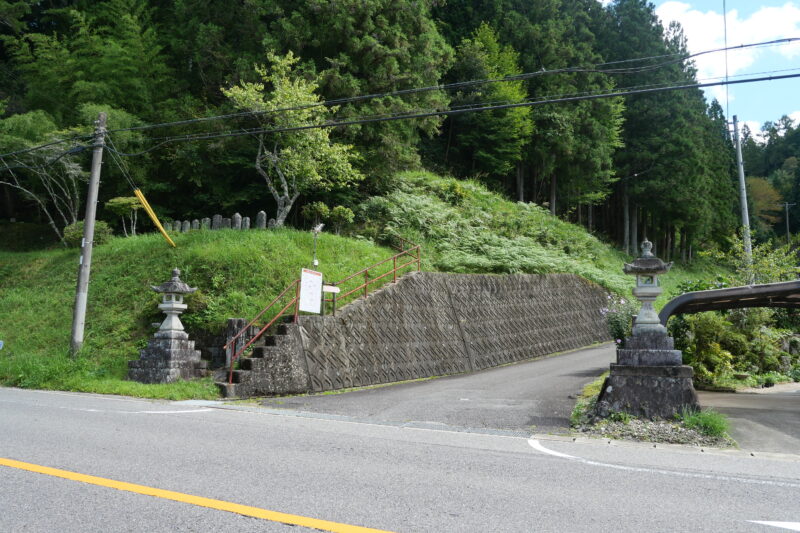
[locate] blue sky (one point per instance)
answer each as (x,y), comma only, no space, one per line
(748,21)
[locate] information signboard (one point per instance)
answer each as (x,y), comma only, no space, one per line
(310,291)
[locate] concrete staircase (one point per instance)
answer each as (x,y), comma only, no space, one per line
(269,369)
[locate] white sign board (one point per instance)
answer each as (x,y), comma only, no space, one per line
(310,291)
(331,288)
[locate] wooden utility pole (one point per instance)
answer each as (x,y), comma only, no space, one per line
(748,247)
(85,262)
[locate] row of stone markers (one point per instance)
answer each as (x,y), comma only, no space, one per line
(218,222)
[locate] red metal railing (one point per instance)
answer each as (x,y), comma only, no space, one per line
(232,342)
(408,250)
(407,257)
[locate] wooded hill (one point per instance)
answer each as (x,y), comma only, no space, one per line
(659,164)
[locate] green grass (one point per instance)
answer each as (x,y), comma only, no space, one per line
(586,400)
(708,422)
(237,274)
(461,226)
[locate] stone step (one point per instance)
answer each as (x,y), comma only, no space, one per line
(252,364)
(230,390)
(242,376)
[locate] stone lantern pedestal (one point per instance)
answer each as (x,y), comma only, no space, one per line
(649,378)
(169,355)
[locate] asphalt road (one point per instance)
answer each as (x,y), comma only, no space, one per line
(389,476)
(766,421)
(529,397)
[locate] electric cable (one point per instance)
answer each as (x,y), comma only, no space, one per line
(517,77)
(447,112)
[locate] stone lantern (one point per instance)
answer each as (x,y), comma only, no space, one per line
(647,268)
(648,379)
(169,355)
(172,304)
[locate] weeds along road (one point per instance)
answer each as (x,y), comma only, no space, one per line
(351,473)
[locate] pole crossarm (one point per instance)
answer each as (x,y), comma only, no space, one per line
(783,294)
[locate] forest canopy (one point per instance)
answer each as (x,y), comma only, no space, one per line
(658,164)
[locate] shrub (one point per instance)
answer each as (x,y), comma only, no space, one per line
(341,216)
(619,315)
(73,234)
(315,212)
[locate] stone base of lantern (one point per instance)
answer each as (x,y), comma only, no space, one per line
(169,356)
(647,391)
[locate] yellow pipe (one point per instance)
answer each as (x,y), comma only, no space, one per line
(152,214)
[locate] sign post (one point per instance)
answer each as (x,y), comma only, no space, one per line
(310,291)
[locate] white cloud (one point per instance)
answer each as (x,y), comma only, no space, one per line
(705,31)
(796,117)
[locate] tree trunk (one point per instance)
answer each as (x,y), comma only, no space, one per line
(520,182)
(668,244)
(683,245)
(590,217)
(634,231)
(626,222)
(8,203)
(553,194)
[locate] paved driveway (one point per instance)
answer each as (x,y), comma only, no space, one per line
(528,397)
(768,420)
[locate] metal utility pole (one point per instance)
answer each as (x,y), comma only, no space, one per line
(85,263)
(748,247)
(786,206)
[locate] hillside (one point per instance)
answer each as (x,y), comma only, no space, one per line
(461,226)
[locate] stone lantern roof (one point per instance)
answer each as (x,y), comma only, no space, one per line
(174,285)
(647,263)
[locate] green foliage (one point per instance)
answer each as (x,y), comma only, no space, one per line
(709,422)
(619,317)
(770,262)
(25,236)
(73,234)
(123,205)
(620,416)
(341,216)
(296,161)
(374,47)
(694,285)
(586,401)
(488,144)
(316,212)
(484,233)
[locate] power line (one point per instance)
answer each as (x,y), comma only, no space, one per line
(71,151)
(335,124)
(53,143)
(518,77)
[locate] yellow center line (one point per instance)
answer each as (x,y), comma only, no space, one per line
(220,505)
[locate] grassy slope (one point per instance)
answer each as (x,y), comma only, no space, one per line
(237,273)
(462,227)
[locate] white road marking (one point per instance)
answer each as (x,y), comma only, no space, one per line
(536,445)
(116,411)
(791,526)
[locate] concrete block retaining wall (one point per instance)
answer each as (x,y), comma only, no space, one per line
(431,324)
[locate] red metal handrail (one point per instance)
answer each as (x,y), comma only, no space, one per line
(415,258)
(294,301)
